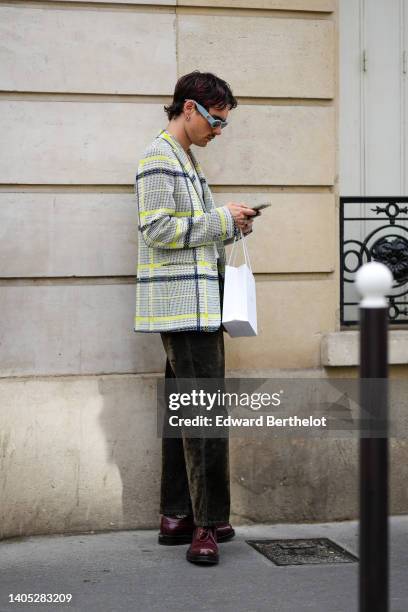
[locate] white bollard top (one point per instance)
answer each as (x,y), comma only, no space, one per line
(373,281)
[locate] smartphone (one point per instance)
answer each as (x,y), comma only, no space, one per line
(258,207)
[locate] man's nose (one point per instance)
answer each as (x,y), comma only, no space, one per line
(217,130)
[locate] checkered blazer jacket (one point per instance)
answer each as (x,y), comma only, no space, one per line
(177,285)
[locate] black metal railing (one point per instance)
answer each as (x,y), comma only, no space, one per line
(374,229)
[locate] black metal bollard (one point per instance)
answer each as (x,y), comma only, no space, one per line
(374,280)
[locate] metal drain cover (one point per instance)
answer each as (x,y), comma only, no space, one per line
(302,551)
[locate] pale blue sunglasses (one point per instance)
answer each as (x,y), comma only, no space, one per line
(211,120)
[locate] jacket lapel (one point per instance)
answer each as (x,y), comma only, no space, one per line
(208,201)
(188,169)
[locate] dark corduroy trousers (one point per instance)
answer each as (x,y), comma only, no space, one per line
(195,471)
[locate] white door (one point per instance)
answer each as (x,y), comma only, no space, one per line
(373,131)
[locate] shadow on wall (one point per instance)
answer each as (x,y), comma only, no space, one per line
(272,480)
(128,420)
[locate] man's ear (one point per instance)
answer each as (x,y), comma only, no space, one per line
(188,106)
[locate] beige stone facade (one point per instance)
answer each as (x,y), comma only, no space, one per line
(82,93)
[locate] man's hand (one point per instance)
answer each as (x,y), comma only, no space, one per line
(242,215)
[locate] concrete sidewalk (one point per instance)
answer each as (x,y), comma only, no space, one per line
(128,570)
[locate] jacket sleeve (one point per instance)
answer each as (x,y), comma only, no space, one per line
(237,236)
(160,223)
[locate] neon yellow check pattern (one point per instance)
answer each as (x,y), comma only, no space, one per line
(177,286)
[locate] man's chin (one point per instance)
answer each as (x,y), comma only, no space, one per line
(203,142)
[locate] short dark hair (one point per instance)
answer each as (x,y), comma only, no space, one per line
(203,87)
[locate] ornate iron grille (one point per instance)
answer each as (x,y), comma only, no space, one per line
(373,229)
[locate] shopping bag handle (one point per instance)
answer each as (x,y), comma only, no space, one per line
(244,246)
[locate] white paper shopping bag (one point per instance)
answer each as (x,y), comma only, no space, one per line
(239,304)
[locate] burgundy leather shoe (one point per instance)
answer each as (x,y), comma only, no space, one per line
(225,532)
(176,530)
(203,548)
(180,530)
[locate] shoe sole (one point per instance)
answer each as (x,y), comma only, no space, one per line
(207,560)
(168,540)
(227,537)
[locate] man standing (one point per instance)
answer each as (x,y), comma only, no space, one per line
(179,291)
